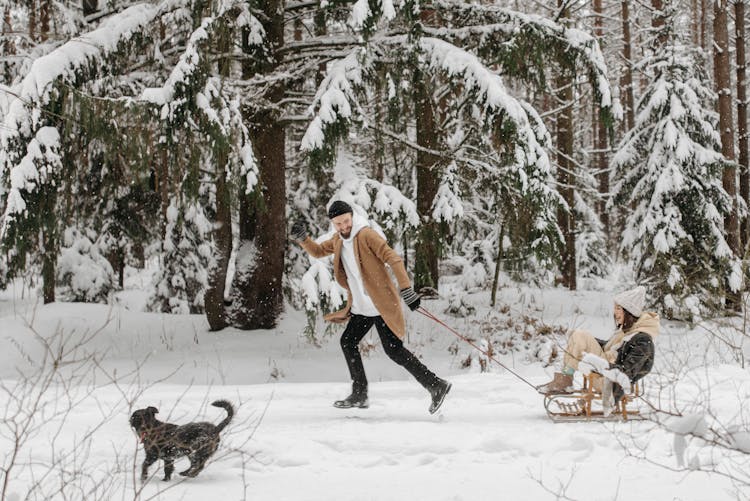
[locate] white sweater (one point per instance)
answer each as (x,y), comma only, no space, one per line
(361,302)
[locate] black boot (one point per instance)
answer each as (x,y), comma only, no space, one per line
(353,400)
(438,392)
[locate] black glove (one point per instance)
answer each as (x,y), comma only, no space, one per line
(299,231)
(410,298)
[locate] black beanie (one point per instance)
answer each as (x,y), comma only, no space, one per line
(337,208)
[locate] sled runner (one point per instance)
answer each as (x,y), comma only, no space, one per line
(586,404)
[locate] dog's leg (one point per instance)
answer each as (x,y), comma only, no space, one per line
(168,468)
(198,459)
(197,462)
(150,459)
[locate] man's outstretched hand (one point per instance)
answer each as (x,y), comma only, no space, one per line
(410,298)
(299,230)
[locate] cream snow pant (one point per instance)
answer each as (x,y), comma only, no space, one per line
(579,342)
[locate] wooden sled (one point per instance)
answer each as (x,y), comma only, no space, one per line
(586,404)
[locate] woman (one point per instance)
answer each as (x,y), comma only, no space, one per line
(630,349)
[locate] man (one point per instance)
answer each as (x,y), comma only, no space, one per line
(359,259)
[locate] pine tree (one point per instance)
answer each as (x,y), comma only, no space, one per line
(182,280)
(669,170)
(477,104)
(83,272)
(181,104)
(39,144)
(179,125)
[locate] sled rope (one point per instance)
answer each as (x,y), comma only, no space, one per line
(429,315)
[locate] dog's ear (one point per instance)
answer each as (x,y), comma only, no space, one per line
(153,410)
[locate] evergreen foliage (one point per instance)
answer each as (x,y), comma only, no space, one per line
(669,171)
(495,141)
(181,281)
(159,108)
(127,154)
(83,271)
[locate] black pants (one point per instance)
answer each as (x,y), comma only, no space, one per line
(356,329)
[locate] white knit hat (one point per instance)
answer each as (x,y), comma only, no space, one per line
(632,300)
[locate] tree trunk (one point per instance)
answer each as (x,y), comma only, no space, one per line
(695,22)
(320,29)
(44,13)
(566,180)
(258,280)
(498,262)
(257,283)
(215,311)
(9,47)
(723,79)
(32,18)
(626,83)
(657,22)
(49,242)
(704,25)
(600,136)
(744,161)
(48,271)
(116,258)
(162,184)
(428,182)
(427,248)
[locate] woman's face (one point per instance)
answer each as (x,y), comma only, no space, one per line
(619,314)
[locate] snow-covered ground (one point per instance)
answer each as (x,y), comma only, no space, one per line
(491,440)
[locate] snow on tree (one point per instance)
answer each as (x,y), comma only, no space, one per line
(202,105)
(82,268)
(592,256)
(456,53)
(182,279)
(38,172)
(192,102)
(447,207)
(32,206)
(668,168)
(121,124)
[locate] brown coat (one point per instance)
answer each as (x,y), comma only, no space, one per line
(372,253)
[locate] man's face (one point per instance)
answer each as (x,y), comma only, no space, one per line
(343,224)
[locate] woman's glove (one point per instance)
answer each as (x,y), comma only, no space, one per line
(410,298)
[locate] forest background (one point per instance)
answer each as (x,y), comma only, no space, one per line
(527,159)
(549,141)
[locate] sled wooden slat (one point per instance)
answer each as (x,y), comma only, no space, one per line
(578,405)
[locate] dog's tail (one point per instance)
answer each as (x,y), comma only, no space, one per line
(230,411)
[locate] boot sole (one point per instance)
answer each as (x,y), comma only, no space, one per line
(358,406)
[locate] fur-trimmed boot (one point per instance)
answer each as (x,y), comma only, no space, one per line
(561,383)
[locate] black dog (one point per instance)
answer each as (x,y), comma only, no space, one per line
(168,441)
